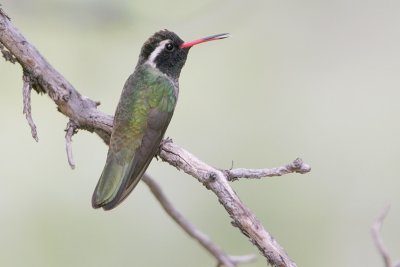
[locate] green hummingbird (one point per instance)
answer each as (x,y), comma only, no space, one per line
(142,116)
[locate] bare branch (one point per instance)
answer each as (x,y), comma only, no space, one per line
(242,217)
(44,78)
(297,166)
(190,229)
(72,128)
(26,92)
(380,245)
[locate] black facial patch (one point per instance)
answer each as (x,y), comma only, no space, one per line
(168,61)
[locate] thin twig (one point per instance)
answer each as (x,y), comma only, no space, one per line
(191,230)
(376,236)
(26,92)
(297,166)
(72,128)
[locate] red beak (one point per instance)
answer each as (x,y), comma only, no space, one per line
(206,39)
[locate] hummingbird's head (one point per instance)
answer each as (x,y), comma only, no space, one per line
(167,52)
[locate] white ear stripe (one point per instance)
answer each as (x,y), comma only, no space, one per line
(156,52)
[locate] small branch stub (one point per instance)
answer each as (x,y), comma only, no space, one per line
(72,128)
(7,55)
(26,92)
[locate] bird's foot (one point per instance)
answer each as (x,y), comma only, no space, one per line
(164,141)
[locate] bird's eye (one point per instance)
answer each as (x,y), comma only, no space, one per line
(169,47)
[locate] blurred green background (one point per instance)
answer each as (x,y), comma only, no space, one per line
(312,79)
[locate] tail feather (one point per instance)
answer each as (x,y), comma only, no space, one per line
(111,184)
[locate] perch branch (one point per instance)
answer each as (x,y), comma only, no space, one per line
(190,229)
(217,181)
(45,79)
(376,236)
(83,112)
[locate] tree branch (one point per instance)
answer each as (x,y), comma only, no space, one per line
(297,166)
(190,229)
(217,181)
(380,245)
(83,114)
(45,79)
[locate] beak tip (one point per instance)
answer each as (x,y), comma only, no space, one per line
(206,39)
(225,35)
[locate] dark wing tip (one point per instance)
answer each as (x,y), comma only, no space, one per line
(106,206)
(95,203)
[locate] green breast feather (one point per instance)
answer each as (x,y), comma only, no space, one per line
(141,119)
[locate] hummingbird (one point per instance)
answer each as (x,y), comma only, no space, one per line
(142,115)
